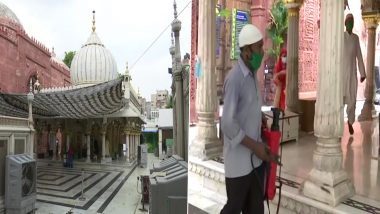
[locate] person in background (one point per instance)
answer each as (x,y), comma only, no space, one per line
(51,147)
(70,157)
(280,80)
(243,150)
(56,147)
(352,57)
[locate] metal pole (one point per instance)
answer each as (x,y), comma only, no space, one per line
(82,198)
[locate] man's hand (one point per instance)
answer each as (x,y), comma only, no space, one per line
(261,150)
(362,79)
(268,156)
(264,120)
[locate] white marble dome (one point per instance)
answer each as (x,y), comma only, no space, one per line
(7,13)
(93,63)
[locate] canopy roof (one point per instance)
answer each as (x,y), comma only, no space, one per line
(88,102)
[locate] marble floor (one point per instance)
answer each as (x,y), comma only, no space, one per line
(106,188)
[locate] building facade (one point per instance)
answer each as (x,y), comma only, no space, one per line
(24,58)
(160,99)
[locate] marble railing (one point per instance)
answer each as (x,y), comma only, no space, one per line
(13,121)
(62,88)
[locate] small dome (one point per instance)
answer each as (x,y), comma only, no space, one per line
(93,63)
(6,13)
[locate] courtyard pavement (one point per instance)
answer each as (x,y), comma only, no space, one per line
(106,188)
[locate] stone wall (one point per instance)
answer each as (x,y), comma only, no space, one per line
(22,56)
(194,48)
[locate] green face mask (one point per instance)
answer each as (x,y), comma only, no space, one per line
(255,61)
(349,26)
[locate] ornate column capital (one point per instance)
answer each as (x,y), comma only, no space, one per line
(293,2)
(371,21)
(293,6)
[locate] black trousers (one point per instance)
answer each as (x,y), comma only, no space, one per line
(245,194)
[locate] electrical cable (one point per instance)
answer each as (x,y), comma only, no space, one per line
(279,174)
(155,40)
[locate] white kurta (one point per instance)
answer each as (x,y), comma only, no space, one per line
(352,59)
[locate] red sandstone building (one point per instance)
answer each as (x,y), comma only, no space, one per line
(22,56)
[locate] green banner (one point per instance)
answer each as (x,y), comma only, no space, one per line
(239,19)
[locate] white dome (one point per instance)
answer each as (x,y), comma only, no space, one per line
(93,63)
(6,13)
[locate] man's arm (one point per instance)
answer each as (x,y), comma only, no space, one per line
(360,61)
(233,131)
(261,150)
(230,125)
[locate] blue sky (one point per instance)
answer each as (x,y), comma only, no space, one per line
(125,27)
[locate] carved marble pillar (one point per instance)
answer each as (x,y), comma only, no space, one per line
(30,98)
(11,145)
(59,142)
(292,102)
(130,147)
(136,144)
(371,22)
(103,132)
(327,181)
(88,141)
(55,131)
(67,141)
(126,147)
(160,144)
(206,145)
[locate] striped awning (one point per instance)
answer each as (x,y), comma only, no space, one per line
(88,102)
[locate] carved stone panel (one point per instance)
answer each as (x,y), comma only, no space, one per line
(309,46)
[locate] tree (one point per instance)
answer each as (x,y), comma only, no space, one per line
(278,27)
(68,58)
(169,104)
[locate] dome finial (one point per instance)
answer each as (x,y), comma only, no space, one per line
(93,21)
(175,9)
(126,69)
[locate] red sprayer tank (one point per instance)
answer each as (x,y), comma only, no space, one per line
(273,138)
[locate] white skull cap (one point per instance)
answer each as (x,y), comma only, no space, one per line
(249,35)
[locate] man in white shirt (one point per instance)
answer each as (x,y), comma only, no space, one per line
(352,57)
(243,150)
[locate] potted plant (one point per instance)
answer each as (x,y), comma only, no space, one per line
(277,28)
